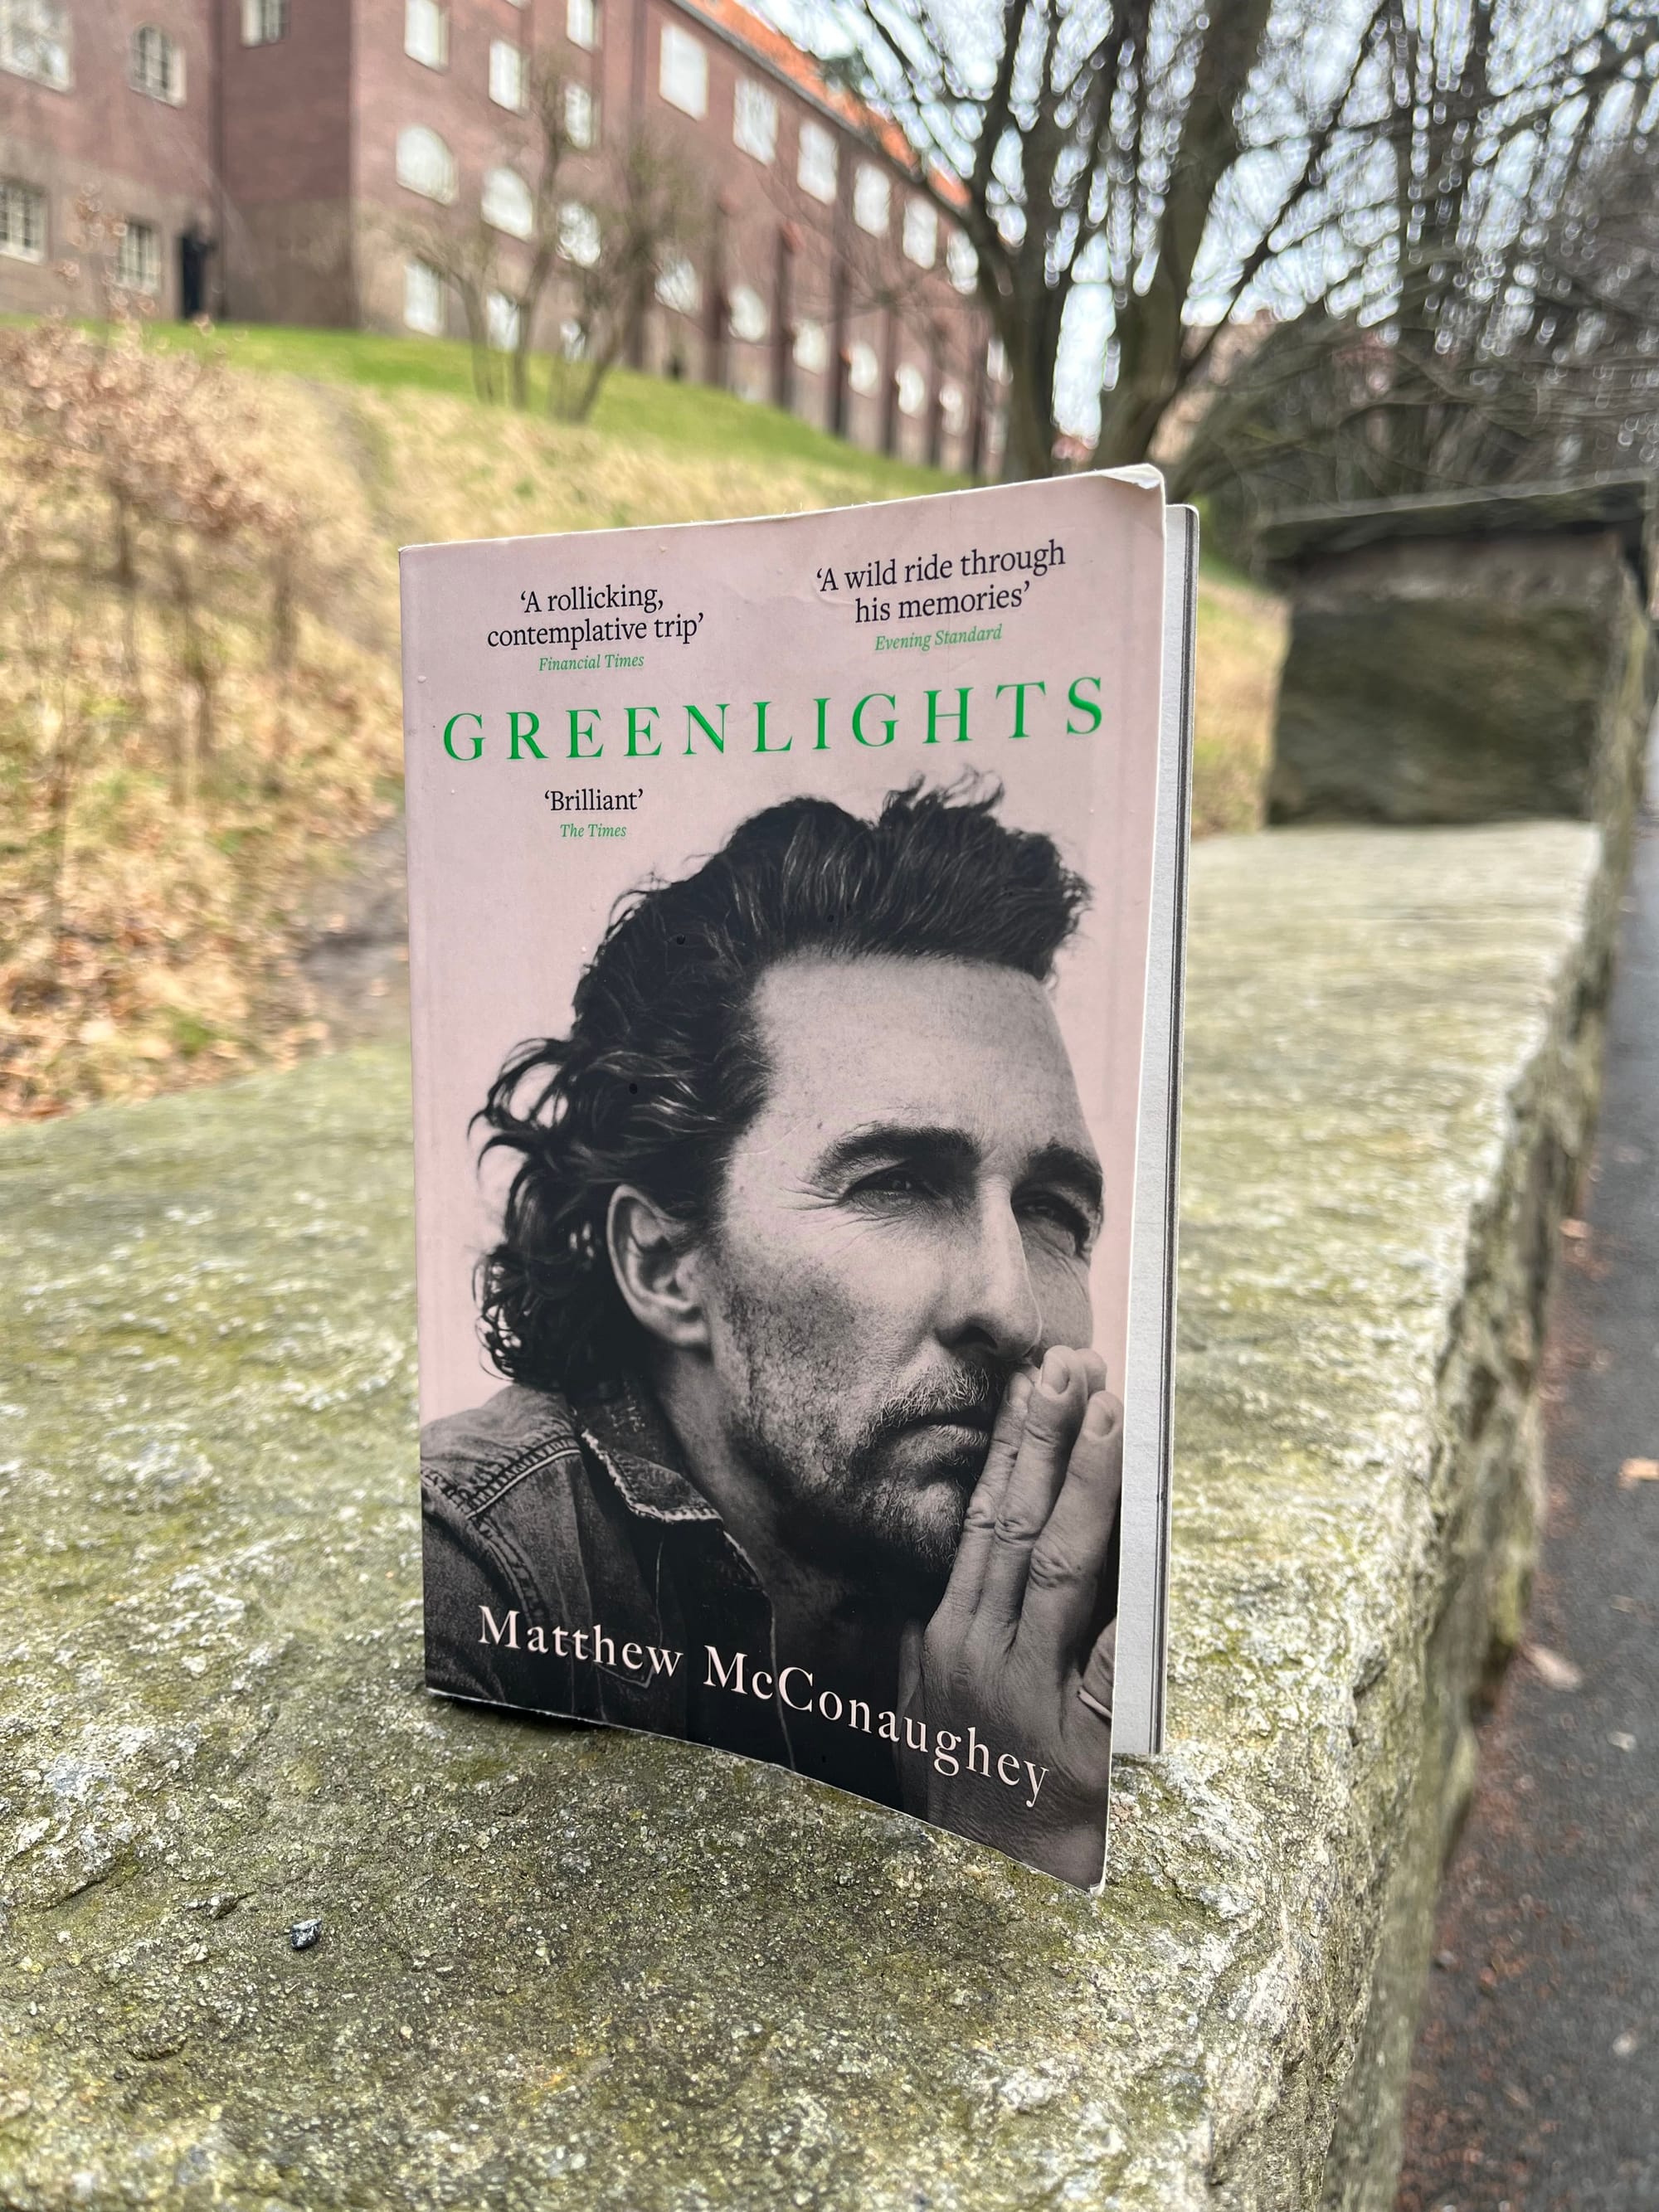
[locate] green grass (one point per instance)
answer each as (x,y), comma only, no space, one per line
(632,407)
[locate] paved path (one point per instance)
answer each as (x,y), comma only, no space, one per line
(1536,2073)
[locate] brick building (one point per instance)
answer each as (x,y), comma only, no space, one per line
(277,160)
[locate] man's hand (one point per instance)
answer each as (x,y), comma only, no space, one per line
(1015,1648)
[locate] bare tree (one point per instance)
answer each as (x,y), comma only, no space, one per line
(505,252)
(1138,170)
(643,208)
(545,152)
(463,252)
(648,215)
(1502,323)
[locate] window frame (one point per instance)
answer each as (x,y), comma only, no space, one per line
(491,175)
(576,215)
(868,176)
(816,134)
(691,50)
(500,51)
(258,16)
(761,144)
(746,303)
(171,89)
(503,319)
(917,211)
(30,197)
(435,330)
(809,349)
(52,26)
(136,235)
(578,95)
(679,286)
(433,11)
(413,130)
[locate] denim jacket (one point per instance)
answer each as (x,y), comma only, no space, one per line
(542,1516)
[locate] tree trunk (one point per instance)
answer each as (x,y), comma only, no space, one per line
(1028,448)
(1149,337)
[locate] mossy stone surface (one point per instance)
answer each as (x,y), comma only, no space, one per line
(566,1968)
(1463,680)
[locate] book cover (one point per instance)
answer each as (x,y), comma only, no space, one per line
(795,929)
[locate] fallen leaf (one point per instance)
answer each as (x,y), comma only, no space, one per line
(1551,1667)
(1637,1470)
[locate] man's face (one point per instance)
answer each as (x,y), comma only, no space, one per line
(907,1219)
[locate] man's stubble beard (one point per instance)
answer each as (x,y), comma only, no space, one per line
(847,1507)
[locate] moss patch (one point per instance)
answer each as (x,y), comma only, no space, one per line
(563,1967)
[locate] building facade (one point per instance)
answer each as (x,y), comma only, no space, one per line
(283,161)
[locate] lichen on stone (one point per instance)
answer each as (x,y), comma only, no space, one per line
(564,1967)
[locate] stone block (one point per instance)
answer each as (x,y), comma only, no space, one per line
(278,1930)
(1465,659)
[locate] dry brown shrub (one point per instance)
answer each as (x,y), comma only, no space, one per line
(178,730)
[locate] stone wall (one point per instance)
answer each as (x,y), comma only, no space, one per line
(564,1968)
(1465,657)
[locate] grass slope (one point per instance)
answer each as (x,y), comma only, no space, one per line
(188,920)
(441,465)
(692,419)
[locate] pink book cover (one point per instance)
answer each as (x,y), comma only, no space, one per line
(794,946)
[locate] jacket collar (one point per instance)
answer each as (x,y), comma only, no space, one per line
(629,1438)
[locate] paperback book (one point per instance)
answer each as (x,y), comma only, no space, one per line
(796,912)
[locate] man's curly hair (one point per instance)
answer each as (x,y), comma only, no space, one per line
(663,1069)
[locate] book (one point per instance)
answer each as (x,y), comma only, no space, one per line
(796,912)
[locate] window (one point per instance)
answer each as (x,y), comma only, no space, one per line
(750,320)
(581,23)
(507,73)
(581,116)
(426,33)
(679,286)
(811,348)
(684,79)
(263,21)
(501,320)
(423,299)
(921,232)
(815,170)
(578,234)
(911,389)
(507,202)
(425,164)
(863,369)
(22,220)
(156,66)
(870,194)
(954,408)
(34,42)
(996,361)
(138,257)
(961,262)
(755,120)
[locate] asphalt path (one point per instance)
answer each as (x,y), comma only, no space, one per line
(1535,2079)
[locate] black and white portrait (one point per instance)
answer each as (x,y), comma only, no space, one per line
(804,1449)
